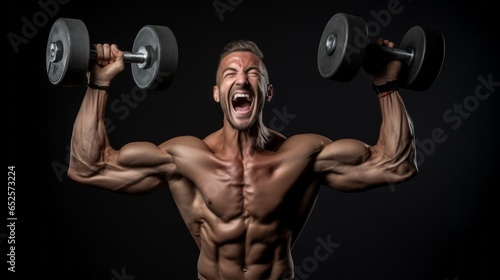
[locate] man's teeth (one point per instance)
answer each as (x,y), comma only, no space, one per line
(242,95)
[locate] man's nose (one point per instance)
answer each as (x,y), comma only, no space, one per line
(241,79)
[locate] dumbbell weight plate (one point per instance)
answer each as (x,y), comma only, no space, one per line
(428,48)
(351,36)
(67,66)
(159,72)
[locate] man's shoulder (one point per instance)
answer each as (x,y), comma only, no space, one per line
(179,141)
(213,138)
(306,141)
(307,138)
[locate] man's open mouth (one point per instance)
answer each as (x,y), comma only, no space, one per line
(242,103)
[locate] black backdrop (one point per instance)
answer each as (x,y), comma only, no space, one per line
(439,225)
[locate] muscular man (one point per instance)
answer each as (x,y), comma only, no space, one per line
(244,191)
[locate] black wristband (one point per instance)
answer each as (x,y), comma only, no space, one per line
(390,86)
(94,86)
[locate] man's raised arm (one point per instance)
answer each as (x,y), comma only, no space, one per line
(136,167)
(351,165)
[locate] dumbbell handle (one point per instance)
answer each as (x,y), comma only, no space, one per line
(392,53)
(142,56)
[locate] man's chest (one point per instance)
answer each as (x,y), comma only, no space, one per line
(257,189)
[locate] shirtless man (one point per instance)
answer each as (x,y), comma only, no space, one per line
(245,191)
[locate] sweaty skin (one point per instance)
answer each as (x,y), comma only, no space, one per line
(244,203)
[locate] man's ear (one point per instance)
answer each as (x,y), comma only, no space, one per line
(216,94)
(269,92)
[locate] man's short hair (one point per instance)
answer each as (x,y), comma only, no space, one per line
(241,46)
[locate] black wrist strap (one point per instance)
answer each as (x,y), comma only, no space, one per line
(387,88)
(94,86)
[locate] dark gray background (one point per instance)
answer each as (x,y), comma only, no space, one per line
(437,226)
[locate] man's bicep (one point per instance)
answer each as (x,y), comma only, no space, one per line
(136,167)
(143,154)
(345,164)
(342,152)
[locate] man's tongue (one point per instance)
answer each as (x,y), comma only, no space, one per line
(242,105)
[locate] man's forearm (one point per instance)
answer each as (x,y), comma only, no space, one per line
(396,139)
(89,140)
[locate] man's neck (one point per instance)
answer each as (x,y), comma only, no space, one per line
(242,143)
